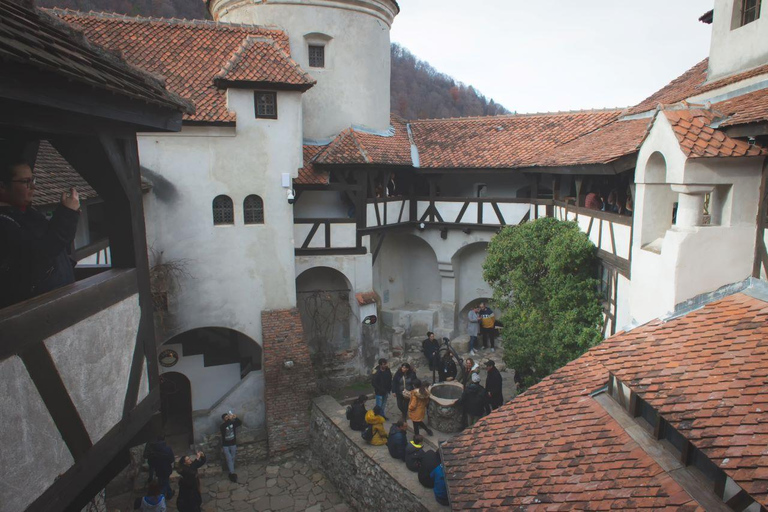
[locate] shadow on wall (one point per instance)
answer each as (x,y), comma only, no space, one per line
(406,273)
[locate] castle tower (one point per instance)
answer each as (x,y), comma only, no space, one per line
(343,44)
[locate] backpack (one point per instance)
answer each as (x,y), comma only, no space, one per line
(367,434)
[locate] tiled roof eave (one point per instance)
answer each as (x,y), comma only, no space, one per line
(224,83)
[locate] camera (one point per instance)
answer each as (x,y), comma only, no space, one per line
(291,196)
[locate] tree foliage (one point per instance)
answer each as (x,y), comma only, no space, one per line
(542,274)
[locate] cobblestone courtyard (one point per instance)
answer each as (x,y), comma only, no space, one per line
(291,483)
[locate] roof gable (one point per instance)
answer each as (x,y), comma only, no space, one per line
(189,54)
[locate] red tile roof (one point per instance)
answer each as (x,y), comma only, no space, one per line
(691,83)
(31,37)
(604,145)
(705,372)
(54,175)
(501,141)
(308,175)
(354,146)
(698,140)
(261,61)
(745,109)
(189,54)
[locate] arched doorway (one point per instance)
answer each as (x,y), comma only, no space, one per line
(329,319)
(176,410)
(471,288)
(406,273)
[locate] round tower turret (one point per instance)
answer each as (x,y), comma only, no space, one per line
(343,44)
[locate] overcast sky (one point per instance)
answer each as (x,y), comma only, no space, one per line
(537,56)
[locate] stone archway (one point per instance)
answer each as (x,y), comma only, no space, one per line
(406,273)
(471,288)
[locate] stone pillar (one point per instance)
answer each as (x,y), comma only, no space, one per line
(690,204)
(289,380)
(447,300)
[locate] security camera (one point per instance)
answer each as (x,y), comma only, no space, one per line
(291,196)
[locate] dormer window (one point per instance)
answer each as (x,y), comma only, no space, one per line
(749,12)
(316,56)
(265,104)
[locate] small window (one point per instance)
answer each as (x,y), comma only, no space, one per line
(266,105)
(750,11)
(223,211)
(253,210)
(316,56)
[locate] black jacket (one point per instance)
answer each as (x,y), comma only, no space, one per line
(493,386)
(413,456)
(356,416)
(447,369)
(382,382)
(399,383)
(161,458)
(474,399)
(33,252)
(429,461)
(396,442)
(228,431)
(430,347)
(190,499)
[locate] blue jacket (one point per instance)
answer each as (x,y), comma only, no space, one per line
(441,489)
(396,443)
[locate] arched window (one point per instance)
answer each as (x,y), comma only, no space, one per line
(223,211)
(253,210)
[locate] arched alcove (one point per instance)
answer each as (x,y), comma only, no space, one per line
(406,272)
(656,168)
(468,271)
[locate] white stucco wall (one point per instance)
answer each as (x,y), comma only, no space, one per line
(468,270)
(684,262)
(94,360)
(353,87)
(232,272)
(735,48)
(32,447)
(320,204)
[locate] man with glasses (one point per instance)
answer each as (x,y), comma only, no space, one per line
(33,250)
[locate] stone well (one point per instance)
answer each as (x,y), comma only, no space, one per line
(444,415)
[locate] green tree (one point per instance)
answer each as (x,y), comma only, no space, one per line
(542,274)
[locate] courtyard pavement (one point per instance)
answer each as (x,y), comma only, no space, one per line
(292,483)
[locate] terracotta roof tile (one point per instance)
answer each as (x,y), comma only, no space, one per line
(705,373)
(54,175)
(748,108)
(502,141)
(32,37)
(698,139)
(189,54)
(691,83)
(355,146)
(308,175)
(262,61)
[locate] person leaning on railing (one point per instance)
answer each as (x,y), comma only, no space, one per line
(33,249)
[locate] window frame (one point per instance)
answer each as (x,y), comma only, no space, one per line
(260,220)
(256,94)
(741,11)
(214,207)
(310,47)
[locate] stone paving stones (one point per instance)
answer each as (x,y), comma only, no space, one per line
(287,486)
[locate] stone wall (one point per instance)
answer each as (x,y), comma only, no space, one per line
(289,380)
(365,476)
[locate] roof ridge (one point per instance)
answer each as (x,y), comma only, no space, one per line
(153,19)
(525,114)
(361,147)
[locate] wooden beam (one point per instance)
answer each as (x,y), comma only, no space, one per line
(498,213)
(462,212)
(42,317)
(44,374)
(341,251)
(105,476)
(327,235)
(66,488)
(310,235)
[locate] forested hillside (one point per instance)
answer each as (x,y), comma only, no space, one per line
(419,91)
